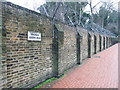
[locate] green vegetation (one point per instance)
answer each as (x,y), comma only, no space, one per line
(46,82)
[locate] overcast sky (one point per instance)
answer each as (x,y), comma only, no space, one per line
(33,4)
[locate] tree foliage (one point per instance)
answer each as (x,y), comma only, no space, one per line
(73,13)
(107,17)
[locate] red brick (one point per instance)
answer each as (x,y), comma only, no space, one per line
(96,73)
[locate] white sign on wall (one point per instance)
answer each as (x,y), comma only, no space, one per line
(34,36)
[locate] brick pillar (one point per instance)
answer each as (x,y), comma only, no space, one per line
(103,42)
(57,45)
(60,47)
(106,42)
(79,41)
(3,66)
(110,41)
(95,44)
(1,81)
(89,46)
(100,43)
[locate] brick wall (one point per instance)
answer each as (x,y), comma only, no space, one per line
(95,44)
(67,52)
(26,63)
(84,47)
(101,42)
(108,41)
(92,44)
(98,42)
(105,41)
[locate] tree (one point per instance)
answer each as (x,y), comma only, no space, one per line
(107,17)
(73,13)
(66,11)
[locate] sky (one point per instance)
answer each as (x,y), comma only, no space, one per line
(30,4)
(33,4)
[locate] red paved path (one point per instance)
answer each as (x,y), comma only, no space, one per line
(96,73)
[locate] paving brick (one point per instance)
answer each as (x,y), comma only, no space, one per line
(98,72)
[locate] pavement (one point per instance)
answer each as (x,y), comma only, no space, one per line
(100,71)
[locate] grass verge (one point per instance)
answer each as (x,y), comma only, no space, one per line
(46,82)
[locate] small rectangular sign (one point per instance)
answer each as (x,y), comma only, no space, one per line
(34,36)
